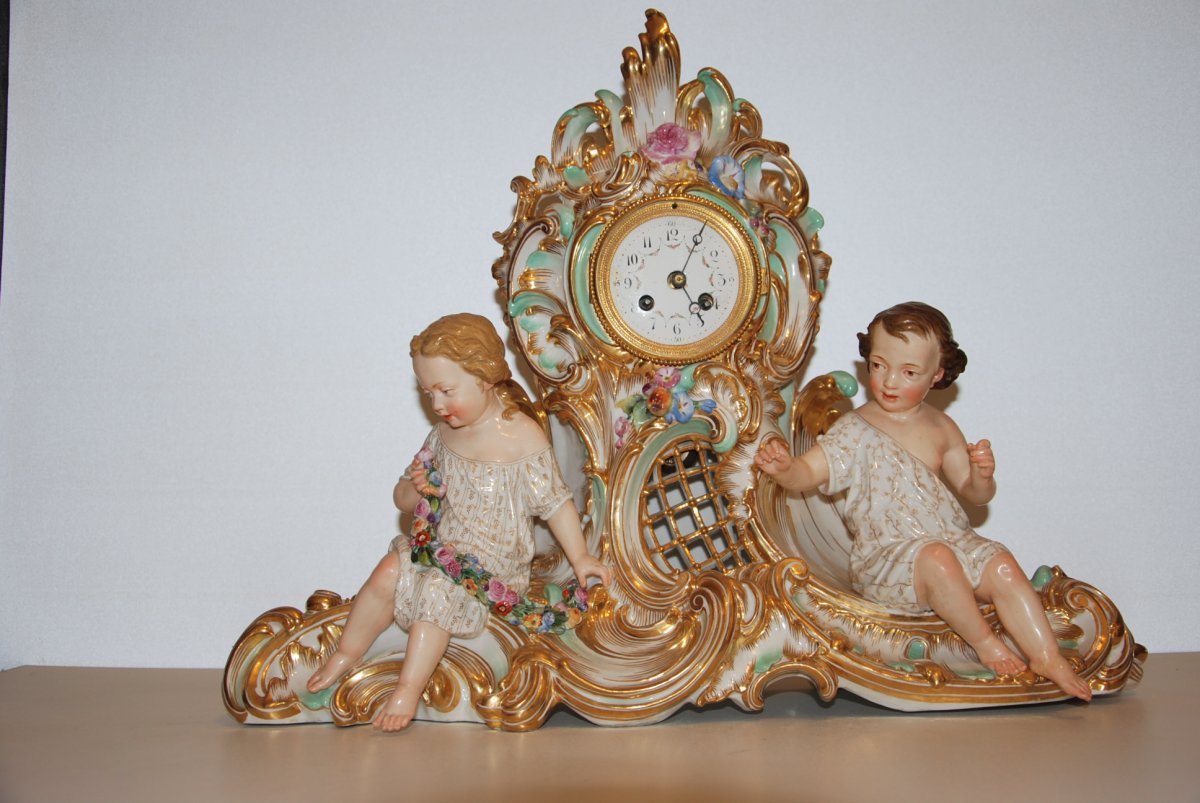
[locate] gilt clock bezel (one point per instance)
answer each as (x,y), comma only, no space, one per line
(727,226)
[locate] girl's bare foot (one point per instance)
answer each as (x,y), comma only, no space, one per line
(996,656)
(398,711)
(338,664)
(1059,670)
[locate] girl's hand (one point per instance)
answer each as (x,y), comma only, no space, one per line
(588,566)
(411,486)
(417,476)
(983,462)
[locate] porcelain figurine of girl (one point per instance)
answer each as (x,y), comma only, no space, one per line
(898,458)
(496,469)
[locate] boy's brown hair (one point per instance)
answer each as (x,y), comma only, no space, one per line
(914,316)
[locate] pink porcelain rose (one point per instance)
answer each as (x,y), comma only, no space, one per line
(670,143)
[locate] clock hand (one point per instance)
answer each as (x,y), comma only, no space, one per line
(693,307)
(677,279)
(696,239)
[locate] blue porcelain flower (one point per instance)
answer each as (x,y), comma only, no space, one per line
(665,395)
(728,176)
(685,407)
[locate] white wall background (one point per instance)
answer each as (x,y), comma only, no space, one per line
(224,220)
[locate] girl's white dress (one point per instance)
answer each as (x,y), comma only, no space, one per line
(487,512)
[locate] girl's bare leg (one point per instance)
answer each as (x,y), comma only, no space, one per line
(1020,610)
(426,645)
(943,586)
(370,615)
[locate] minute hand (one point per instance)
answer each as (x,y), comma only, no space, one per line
(696,239)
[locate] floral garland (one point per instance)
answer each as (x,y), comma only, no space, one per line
(667,395)
(562,609)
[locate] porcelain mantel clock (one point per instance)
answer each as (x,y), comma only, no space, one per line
(661,275)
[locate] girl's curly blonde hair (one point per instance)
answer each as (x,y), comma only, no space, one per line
(471,341)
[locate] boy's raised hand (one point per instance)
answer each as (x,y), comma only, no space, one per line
(773,456)
(983,462)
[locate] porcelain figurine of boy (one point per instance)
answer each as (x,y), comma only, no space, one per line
(898,458)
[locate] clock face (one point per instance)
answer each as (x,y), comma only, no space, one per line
(674,279)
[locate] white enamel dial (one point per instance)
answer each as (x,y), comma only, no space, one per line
(674,279)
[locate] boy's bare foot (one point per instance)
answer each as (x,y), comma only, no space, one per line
(398,711)
(996,656)
(338,664)
(1059,671)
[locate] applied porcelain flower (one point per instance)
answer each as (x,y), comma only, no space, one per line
(667,377)
(728,176)
(658,401)
(496,590)
(423,510)
(623,427)
(670,143)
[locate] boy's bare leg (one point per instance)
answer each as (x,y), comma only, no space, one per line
(370,615)
(426,645)
(1020,610)
(943,586)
